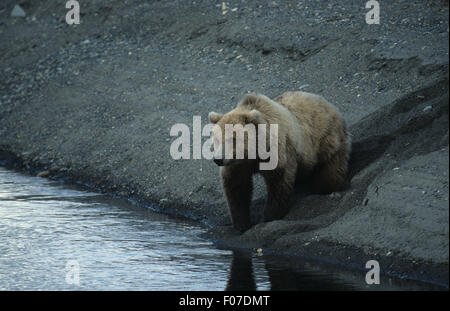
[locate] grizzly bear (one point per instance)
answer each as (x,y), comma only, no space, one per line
(312,142)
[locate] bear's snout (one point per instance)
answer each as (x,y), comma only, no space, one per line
(219,162)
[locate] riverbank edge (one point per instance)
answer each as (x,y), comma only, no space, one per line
(344,256)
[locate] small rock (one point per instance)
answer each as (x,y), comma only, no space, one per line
(224,8)
(55,168)
(335,195)
(303,86)
(17,11)
(43,174)
(427,108)
(259,251)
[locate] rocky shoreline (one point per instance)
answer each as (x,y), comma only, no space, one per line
(93,104)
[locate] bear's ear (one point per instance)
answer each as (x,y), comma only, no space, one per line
(249,100)
(214,117)
(255,117)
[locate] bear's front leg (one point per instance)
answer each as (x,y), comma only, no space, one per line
(238,186)
(279,184)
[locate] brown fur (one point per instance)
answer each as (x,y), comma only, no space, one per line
(312,142)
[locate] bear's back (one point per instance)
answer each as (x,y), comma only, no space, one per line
(312,111)
(318,119)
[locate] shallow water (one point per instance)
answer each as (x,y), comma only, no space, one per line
(56,237)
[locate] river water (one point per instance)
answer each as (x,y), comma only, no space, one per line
(59,237)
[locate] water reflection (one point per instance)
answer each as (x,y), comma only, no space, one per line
(281,275)
(251,272)
(44,224)
(241,272)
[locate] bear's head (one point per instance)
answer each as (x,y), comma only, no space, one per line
(236,134)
